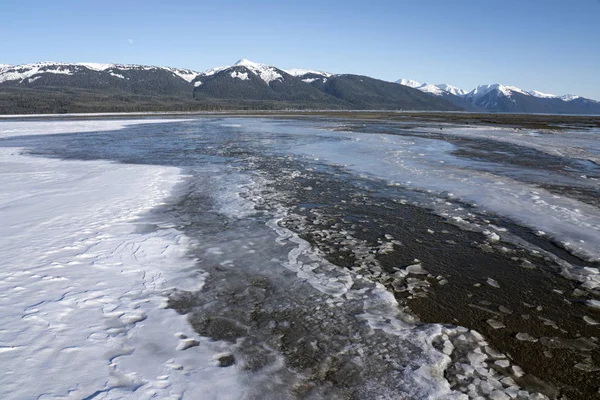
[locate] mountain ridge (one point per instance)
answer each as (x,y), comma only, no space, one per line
(96,87)
(504,98)
(102,87)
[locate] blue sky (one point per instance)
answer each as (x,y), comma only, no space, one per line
(548,45)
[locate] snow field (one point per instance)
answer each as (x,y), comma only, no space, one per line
(82,290)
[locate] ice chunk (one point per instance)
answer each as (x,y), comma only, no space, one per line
(525,337)
(492,282)
(416,269)
(495,324)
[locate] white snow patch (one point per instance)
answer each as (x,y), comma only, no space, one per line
(96,66)
(81,290)
(409,82)
(300,72)
(240,75)
(185,74)
(569,97)
(437,89)
(117,75)
(427,88)
(266,73)
(542,95)
(28,128)
(22,72)
(451,89)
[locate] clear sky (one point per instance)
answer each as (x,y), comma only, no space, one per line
(548,45)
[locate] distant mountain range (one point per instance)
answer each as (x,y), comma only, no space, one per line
(501,98)
(52,87)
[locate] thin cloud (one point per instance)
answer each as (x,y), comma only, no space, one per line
(130,41)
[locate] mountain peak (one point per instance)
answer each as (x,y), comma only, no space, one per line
(250,64)
(409,82)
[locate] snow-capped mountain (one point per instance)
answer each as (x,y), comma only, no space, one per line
(504,98)
(451,89)
(438,89)
(89,87)
(448,92)
(31,72)
(260,85)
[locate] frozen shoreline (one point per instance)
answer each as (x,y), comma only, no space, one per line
(81,292)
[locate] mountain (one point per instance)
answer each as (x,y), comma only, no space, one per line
(409,83)
(363,92)
(450,93)
(502,98)
(136,79)
(53,87)
(259,84)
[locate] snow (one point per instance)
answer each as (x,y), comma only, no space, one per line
(438,89)
(81,288)
(266,73)
(427,88)
(185,74)
(96,66)
(479,91)
(409,82)
(451,89)
(240,75)
(28,128)
(482,90)
(542,95)
(301,72)
(212,71)
(116,75)
(569,97)
(22,72)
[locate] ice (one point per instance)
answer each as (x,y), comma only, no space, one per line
(396,158)
(80,289)
(523,336)
(593,303)
(493,282)
(27,128)
(495,324)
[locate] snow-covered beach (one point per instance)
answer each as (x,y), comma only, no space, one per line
(82,288)
(226,258)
